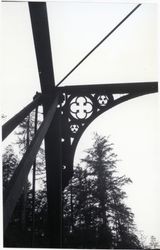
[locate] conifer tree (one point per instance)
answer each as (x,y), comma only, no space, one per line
(101,218)
(19,231)
(9,163)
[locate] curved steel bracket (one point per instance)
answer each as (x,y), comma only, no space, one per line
(80,105)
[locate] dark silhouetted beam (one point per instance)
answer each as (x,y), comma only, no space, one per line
(10,125)
(15,186)
(38,13)
(53,153)
(114,88)
(40,28)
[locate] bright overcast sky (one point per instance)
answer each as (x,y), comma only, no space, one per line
(129,55)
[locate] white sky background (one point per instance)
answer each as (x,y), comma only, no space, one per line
(129,55)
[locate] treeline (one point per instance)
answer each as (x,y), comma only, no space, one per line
(94,211)
(28,225)
(95,214)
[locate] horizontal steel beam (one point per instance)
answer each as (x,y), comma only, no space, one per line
(10,125)
(114,88)
(14,189)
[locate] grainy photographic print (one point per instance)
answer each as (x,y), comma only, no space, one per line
(80,129)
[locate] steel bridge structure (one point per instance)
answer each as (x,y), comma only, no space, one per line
(67,113)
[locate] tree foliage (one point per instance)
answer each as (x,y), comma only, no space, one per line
(21,232)
(95,214)
(9,162)
(94,211)
(154,244)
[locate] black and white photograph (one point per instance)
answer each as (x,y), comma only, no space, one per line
(80,118)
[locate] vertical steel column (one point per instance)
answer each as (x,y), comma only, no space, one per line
(39,21)
(34,182)
(24,194)
(54,181)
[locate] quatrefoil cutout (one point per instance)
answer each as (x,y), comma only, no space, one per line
(81,107)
